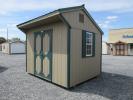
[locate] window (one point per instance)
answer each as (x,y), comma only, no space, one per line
(88,44)
(89,41)
(81,18)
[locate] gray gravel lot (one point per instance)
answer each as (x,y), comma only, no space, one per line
(115,83)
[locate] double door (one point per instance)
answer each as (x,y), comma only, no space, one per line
(43,54)
(120,49)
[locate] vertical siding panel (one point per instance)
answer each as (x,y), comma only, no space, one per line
(55,52)
(74,68)
(76,64)
(78,61)
(60,60)
(54,67)
(30,53)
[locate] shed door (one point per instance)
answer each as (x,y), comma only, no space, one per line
(43,54)
(120,49)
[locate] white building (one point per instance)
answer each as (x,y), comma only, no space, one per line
(104,48)
(17,47)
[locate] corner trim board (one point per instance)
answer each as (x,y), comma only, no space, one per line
(68,47)
(26,52)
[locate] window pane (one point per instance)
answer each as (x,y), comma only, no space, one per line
(88,52)
(88,49)
(88,41)
(89,35)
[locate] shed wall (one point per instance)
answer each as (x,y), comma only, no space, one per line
(17,48)
(82,69)
(104,48)
(5,48)
(59,54)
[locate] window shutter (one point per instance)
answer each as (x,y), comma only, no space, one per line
(83,43)
(93,53)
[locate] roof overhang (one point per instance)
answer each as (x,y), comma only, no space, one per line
(42,20)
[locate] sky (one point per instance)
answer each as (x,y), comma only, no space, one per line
(109,14)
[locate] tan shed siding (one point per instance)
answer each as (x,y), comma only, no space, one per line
(59,47)
(59,71)
(30,53)
(117,35)
(82,69)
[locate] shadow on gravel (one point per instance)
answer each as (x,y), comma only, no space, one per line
(108,85)
(2,69)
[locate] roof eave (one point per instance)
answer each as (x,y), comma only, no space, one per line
(20,26)
(59,11)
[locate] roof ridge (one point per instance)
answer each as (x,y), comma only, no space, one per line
(67,8)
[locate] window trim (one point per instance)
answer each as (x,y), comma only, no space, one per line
(84,55)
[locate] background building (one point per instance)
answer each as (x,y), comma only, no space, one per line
(121,41)
(17,47)
(105,48)
(2,40)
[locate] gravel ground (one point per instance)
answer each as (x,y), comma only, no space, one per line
(115,82)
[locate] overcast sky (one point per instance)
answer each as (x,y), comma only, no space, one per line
(107,13)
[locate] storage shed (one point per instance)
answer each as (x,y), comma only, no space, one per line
(16,47)
(64,46)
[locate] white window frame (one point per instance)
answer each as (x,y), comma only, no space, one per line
(89,43)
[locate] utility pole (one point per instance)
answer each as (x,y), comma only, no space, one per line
(7,34)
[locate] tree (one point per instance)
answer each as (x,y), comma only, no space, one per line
(2,40)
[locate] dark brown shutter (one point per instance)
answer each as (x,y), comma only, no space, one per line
(83,43)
